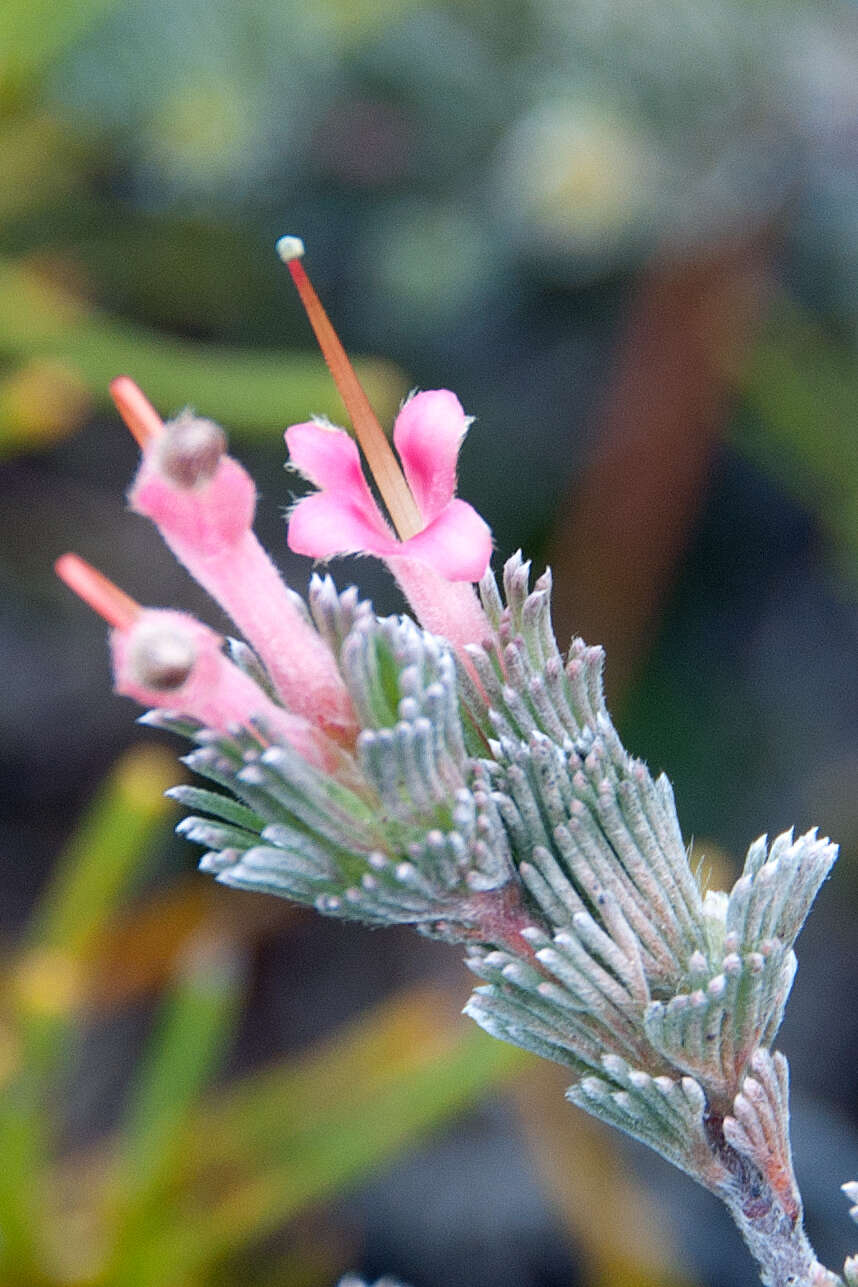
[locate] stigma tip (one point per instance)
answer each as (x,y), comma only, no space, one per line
(289,248)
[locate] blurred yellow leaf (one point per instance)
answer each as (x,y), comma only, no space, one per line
(589,1183)
(41,401)
(137,952)
(259,1153)
(110,844)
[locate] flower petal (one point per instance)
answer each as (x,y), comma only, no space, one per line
(457,544)
(428,433)
(328,457)
(334,522)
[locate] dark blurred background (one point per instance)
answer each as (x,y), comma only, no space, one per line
(625,232)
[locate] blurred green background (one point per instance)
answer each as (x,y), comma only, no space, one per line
(626,233)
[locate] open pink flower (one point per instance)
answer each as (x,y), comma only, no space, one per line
(440,544)
(343,518)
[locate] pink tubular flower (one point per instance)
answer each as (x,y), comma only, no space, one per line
(440,543)
(203,504)
(171,661)
(343,518)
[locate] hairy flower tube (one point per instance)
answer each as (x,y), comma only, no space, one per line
(464,776)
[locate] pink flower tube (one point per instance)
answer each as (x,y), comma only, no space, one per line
(203,503)
(171,661)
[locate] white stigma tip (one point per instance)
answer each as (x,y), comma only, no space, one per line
(290,248)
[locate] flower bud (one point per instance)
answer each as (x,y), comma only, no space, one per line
(161,655)
(190,449)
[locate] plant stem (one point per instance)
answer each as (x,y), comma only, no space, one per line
(772,1229)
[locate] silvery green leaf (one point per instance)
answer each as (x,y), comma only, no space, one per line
(712,1031)
(666,1113)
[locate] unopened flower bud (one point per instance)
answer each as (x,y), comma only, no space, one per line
(161,656)
(190,450)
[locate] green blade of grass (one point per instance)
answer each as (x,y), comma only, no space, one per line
(111,843)
(803,390)
(197,1020)
(22,1176)
(281,1142)
(250,392)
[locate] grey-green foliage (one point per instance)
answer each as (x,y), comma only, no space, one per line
(490,801)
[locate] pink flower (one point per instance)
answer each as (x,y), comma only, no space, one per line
(441,544)
(171,661)
(343,518)
(203,502)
